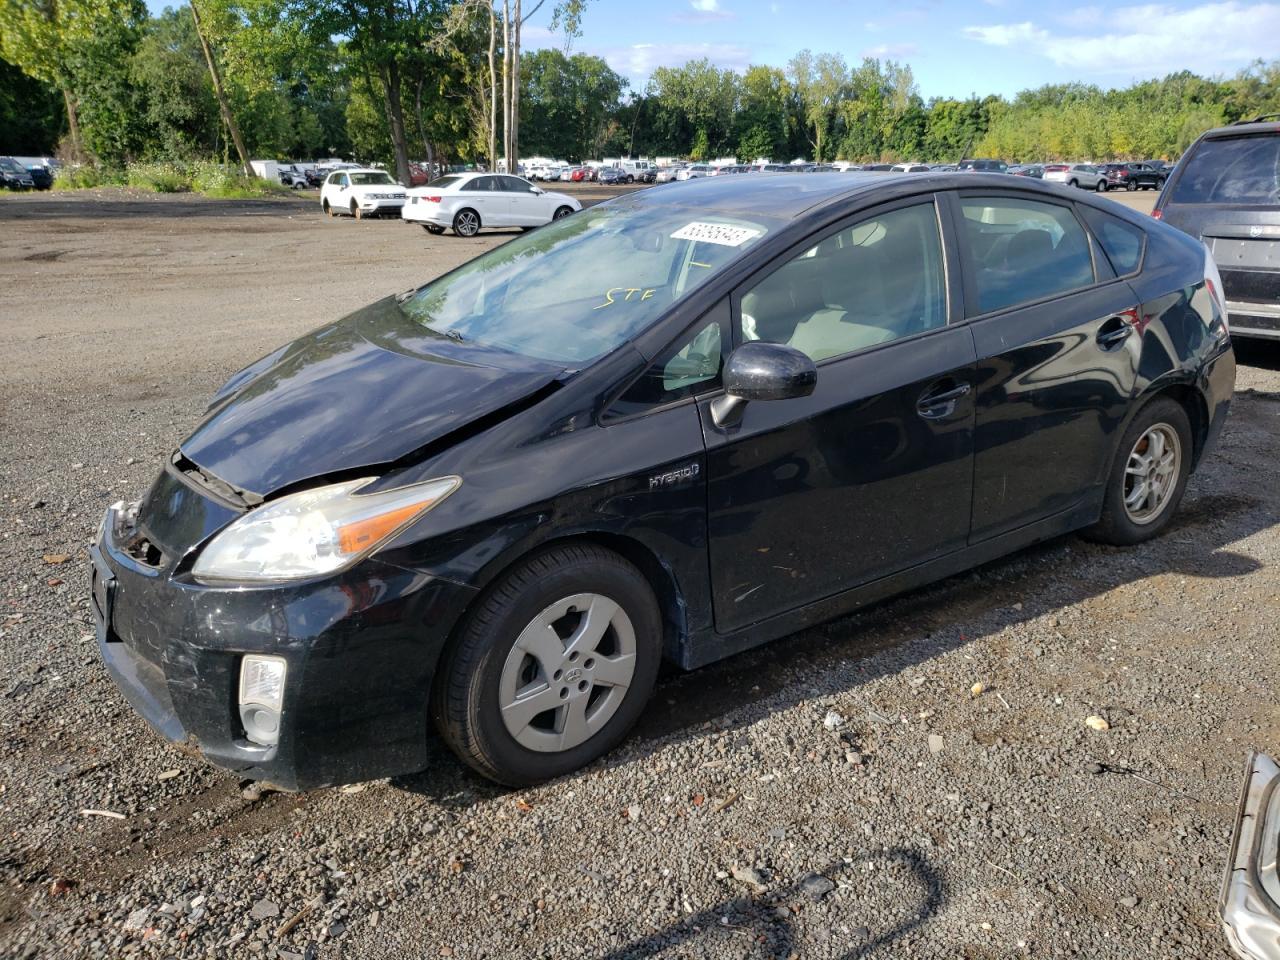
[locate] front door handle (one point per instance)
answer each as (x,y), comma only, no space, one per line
(1113,333)
(940,400)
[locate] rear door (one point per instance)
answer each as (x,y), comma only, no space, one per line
(812,496)
(486,195)
(1227,193)
(1057,345)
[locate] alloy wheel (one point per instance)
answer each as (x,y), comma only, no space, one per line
(567,673)
(467,224)
(1151,473)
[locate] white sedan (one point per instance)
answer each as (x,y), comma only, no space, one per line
(468,201)
(361,193)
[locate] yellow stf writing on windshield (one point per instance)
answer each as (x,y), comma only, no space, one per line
(645,294)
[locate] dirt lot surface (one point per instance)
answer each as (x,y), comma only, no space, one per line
(841,793)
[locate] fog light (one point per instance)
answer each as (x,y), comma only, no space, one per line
(261,697)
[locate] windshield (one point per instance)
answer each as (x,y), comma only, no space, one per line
(584,285)
(370,179)
(11,165)
(1232,170)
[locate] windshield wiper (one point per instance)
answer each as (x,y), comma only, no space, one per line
(453,335)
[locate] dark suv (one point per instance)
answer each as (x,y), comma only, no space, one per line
(14,176)
(1226,191)
(1133,176)
(983,166)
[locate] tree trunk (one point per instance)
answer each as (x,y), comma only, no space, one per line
(493,91)
(73,125)
(395,117)
(216,76)
(506,86)
(515,84)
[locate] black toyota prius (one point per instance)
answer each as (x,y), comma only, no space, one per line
(669,427)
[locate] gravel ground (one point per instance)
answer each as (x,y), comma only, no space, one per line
(841,793)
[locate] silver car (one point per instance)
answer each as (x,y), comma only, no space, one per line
(1087,176)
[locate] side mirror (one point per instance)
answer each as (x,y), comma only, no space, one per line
(762,371)
(536,191)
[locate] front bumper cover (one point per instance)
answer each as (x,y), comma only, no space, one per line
(361,647)
(1250,900)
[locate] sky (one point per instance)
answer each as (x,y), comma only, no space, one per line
(954,49)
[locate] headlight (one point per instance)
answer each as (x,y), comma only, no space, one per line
(317,531)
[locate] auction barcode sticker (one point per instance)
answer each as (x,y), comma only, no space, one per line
(721,233)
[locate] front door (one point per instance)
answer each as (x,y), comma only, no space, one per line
(872,473)
(1058,340)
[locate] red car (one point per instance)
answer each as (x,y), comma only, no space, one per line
(579,174)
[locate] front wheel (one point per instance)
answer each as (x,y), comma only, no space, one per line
(1149,476)
(552,667)
(466,223)
(561,213)
(355,210)
(1101,186)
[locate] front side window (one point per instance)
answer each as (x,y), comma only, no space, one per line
(582,286)
(871,283)
(514,185)
(1023,250)
(1231,170)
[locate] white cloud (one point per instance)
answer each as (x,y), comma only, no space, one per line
(639,60)
(1162,39)
(891,51)
(705,6)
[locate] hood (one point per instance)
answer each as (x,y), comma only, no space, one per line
(367,391)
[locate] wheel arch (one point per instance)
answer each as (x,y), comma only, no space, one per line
(660,577)
(1192,400)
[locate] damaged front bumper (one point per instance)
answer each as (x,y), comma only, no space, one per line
(360,649)
(1250,901)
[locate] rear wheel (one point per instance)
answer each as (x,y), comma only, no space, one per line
(552,667)
(433,229)
(1101,186)
(328,210)
(1131,185)
(466,223)
(1149,476)
(1073,183)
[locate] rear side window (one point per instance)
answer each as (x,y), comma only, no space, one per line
(1122,242)
(1231,170)
(1023,250)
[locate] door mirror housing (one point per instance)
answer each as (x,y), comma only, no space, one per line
(537,191)
(762,371)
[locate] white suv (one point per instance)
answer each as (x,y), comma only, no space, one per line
(360,192)
(1084,175)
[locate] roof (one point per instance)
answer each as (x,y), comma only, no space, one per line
(1242,128)
(788,195)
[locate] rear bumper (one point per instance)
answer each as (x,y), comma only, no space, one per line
(433,213)
(360,649)
(1250,900)
(1253,319)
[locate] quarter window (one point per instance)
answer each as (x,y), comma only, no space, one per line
(871,283)
(1023,250)
(690,365)
(1122,242)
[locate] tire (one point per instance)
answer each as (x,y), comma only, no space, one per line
(1073,183)
(355,210)
(1120,524)
(432,229)
(483,666)
(328,210)
(1131,185)
(1100,186)
(466,222)
(561,213)
(630,179)
(1160,183)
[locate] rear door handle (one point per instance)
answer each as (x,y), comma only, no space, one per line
(1113,333)
(938,403)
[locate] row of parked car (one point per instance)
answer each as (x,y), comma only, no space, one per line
(16,175)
